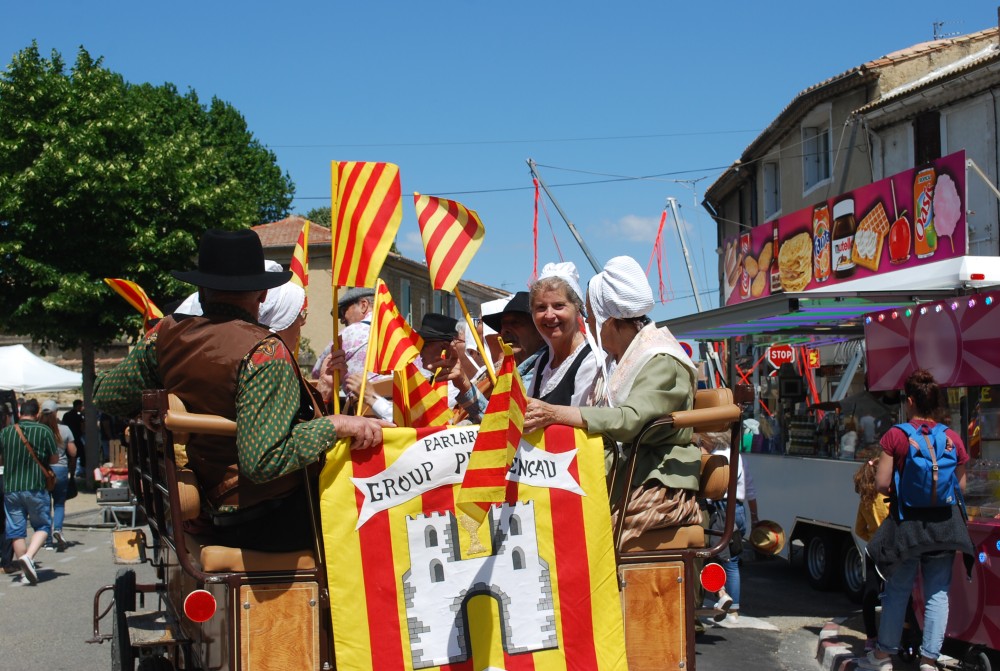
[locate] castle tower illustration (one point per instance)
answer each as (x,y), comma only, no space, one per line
(439,584)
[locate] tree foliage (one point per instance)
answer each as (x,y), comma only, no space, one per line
(102,178)
(319,215)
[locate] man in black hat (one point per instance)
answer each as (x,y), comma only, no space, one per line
(224,363)
(517,328)
(441,357)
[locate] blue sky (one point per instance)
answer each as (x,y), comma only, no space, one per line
(460,94)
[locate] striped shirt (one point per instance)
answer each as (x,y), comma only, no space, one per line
(20,472)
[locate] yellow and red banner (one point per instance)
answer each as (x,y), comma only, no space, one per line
(300,261)
(485,481)
(415,402)
(367,208)
(410,588)
(452,234)
(136,297)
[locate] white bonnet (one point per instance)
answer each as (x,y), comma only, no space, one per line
(565,270)
(283,304)
(620,291)
(281,307)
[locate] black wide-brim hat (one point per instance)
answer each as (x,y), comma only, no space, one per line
(435,326)
(519,303)
(232,261)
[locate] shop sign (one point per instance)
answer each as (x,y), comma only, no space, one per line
(907,220)
(812,358)
(779,354)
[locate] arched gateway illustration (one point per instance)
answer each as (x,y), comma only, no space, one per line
(439,584)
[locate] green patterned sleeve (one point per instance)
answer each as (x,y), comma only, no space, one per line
(270,441)
(119,391)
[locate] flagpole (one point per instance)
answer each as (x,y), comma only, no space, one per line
(373,330)
(475,335)
(333,281)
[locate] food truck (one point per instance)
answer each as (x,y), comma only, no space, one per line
(818,291)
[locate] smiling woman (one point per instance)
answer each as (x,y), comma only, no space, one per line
(565,372)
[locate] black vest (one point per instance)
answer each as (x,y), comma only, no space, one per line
(563,393)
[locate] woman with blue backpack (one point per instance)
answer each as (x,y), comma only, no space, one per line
(922,470)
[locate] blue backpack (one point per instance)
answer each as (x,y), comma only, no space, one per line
(928,478)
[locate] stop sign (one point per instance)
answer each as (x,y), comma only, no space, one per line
(779,354)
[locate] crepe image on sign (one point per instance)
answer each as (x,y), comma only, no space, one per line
(795,262)
(870,237)
(732,263)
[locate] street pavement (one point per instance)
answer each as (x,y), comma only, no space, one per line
(47,626)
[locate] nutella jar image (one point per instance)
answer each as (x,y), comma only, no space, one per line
(844,227)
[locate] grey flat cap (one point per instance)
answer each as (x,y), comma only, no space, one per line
(353,295)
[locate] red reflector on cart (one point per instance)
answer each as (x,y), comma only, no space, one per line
(713,577)
(199,605)
(977,276)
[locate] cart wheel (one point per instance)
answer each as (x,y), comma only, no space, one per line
(821,565)
(157,663)
(122,658)
(852,571)
(976,658)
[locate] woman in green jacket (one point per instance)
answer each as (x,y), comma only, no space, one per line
(648,376)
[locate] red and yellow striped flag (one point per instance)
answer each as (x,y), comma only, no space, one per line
(395,342)
(415,403)
(452,234)
(300,261)
(408,592)
(136,297)
(485,481)
(367,209)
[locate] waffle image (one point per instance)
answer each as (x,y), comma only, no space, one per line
(870,237)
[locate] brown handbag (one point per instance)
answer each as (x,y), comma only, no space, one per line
(50,476)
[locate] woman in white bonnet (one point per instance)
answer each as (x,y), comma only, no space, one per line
(651,377)
(565,372)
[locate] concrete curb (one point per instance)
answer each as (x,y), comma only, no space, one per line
(834,653)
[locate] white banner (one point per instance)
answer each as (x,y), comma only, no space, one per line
(441,459)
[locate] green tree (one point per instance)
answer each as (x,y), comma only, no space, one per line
(102,178)
(319,215)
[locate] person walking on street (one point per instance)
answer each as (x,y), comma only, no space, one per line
(24,447)
(922,470)
(74,419)
(63,468)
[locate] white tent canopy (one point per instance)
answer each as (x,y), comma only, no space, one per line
(25,373)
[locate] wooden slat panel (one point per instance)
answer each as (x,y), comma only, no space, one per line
(279,631)
(656,620)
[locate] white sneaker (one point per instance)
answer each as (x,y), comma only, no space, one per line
(60,540)
(872,663)
(722,606)
(28,567)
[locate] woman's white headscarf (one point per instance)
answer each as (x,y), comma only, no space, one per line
(621,291)
(565,271)
(278,311)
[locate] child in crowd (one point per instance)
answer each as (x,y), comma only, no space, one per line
(871,511)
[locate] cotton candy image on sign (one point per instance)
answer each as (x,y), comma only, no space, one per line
(947,208)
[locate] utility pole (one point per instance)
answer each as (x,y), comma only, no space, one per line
(572,229)
(672,202)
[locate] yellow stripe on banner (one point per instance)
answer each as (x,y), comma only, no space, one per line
(550,660)
(335,486)
(487,644)
(600,549)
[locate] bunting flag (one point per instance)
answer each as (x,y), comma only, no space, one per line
(396,343)
(415,403)
(367,208)
(452,234)
(300,261)
(136,297)
(485,480)
(658,254)
(410,588)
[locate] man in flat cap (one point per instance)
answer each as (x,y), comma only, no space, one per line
(225,363)
(354,309)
